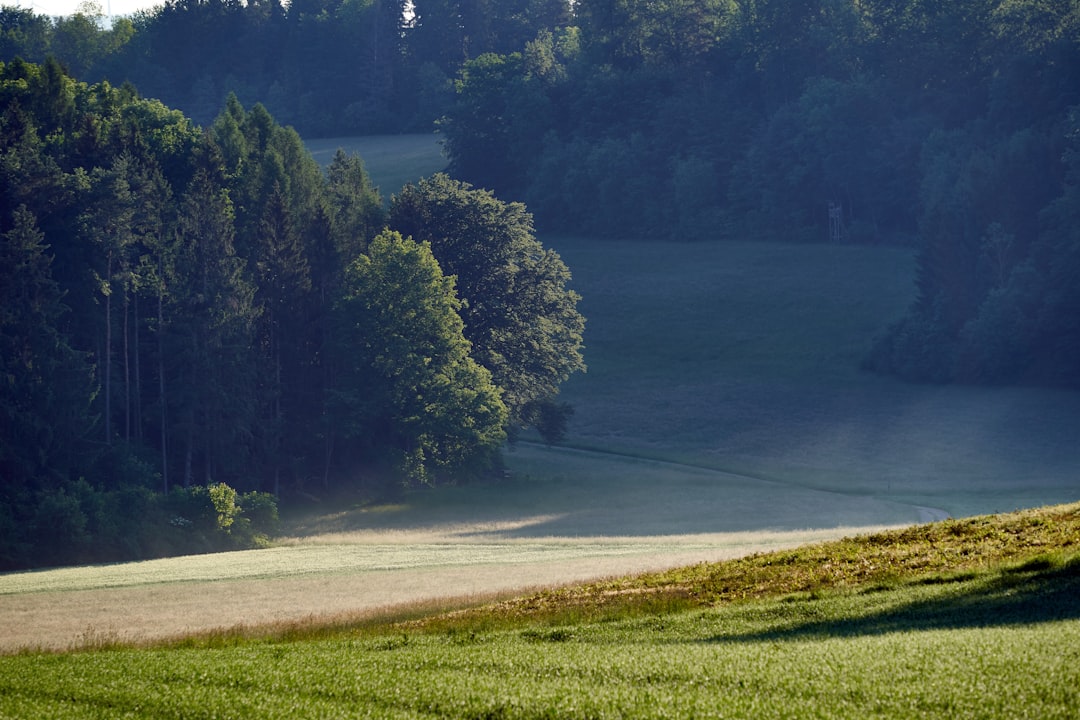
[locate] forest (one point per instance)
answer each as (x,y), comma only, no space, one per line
(191,305)
(199,320)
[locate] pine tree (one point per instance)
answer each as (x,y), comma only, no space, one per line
(46,386)
(211,333)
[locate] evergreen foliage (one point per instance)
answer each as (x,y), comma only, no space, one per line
(326,68)
(194,319)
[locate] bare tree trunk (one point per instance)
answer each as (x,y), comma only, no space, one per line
(138,377)
(127,373)
(108,351)
(189,451)
(329,452)
(161,390)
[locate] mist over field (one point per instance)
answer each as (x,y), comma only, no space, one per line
(747,357)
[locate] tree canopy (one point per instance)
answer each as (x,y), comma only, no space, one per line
(520,315)
(409,384)
(191,308)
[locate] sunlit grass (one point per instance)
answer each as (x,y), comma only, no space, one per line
(961,619)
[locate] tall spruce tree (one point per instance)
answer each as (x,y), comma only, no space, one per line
(212,333)
(46,385)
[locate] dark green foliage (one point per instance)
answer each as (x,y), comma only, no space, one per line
(329,69)
(215,517)
(409,386)
(520,315)
(45,384)
(948,126)
(184,341)
(549,417)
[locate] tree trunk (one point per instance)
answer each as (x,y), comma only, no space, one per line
(138,376)
(108,350)
(127,372)
(161,390)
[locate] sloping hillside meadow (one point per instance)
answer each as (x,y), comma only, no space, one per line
(745,357)
(724,413)
(392,161)
(975,618)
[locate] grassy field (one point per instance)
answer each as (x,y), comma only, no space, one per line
(961,619)
(745,357)
(392,161)
(724,414)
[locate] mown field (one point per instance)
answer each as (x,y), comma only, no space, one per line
(723,414)
(961,619)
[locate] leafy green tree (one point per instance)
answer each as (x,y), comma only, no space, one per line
(520,314)
(409,384)
(500,112)
(23,33)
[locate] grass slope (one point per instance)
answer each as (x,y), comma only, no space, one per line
(745,357)
(961,619)
(392,161)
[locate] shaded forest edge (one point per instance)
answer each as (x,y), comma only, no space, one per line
(951,128)
(197,322)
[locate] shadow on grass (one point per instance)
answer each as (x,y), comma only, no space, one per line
(1036,592)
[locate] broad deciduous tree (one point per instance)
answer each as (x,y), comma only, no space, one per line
(409,383)
(520,313)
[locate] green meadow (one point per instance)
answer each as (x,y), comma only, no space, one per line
(960,619)
(392,161)
(734,527)
(745,357)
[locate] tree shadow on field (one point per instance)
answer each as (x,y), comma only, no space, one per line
(1036,592)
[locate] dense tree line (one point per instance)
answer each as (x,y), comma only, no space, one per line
(189,314)
(948,126)
(186,307)
(325,67)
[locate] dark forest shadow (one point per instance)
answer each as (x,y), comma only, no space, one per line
(1033,593)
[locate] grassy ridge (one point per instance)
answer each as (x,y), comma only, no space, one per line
(968,618)
(944,551)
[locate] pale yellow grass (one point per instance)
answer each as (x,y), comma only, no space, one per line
(65,608)
(571,517)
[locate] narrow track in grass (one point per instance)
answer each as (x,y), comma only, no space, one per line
(925,513)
